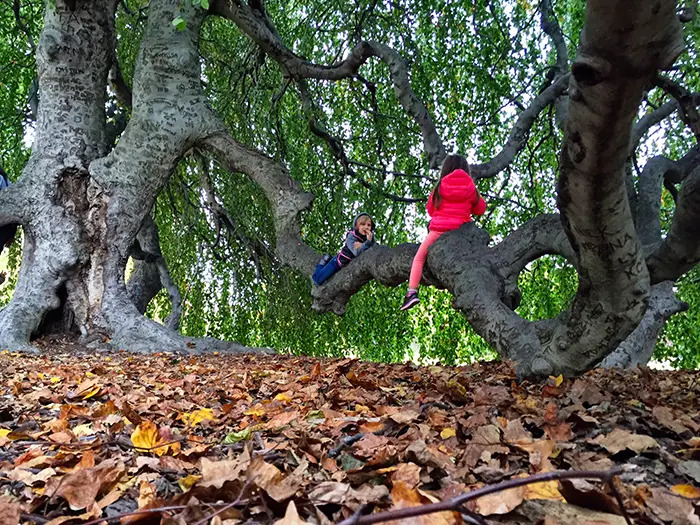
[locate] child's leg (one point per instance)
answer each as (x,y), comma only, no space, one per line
(323,273)
(419,260)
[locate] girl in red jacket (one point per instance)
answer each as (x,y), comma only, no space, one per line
(452,202)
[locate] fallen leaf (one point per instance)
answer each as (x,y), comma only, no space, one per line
(271,480)
(687,491)
(447,433)
(194,418)
(10,511)
(619,440)
(291,516)
(500,502)
(80,488)
(404,497)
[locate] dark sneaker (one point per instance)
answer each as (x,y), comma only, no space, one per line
(410,301)
(324,260)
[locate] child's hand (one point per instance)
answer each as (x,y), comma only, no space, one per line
(357,245)
(370,235)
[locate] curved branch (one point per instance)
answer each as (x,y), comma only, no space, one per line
(649,120)
(259,29)
(680,251)
(687,101)
(638,348)
(537,237)
(651,180)
(287,199)
(550,25)
(520,132)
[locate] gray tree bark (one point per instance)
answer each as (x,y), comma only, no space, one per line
(85,207)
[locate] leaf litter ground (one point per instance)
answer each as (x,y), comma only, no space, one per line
(85,436)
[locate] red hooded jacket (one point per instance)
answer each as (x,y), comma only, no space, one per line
(459,201)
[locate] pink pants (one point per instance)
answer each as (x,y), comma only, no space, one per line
(419,259)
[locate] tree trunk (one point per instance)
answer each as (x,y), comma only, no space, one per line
(86,207)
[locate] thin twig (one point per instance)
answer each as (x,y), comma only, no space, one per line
(225,508)
(456,503)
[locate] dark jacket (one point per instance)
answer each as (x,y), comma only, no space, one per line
(348,252)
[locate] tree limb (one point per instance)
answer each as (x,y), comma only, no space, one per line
(520,132)
(261,32)
(287,199)
(689,112)
(680,250)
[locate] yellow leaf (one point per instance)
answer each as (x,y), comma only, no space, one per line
(145,437)
(187,482)
(56,379)
(83,430)
(543,490)
(687,491)
(558,380)
(40,375)
(361,408)
(448,433)
(256,411)
(283,397)
(196,417)
(87,394)
(89,374)
(4,432)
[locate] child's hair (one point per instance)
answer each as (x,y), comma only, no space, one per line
(451,163)
(360,216)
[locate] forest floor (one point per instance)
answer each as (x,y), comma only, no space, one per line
(221,439)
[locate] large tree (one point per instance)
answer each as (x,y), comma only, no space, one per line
(120,117)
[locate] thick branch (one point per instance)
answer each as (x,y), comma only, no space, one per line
(287,199)
(639,346)
(649,198)
(537,237)
(649,120)
(680,251)
(387,266)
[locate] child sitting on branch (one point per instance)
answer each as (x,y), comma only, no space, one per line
(357,240)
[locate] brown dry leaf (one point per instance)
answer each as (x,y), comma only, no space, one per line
(80,488)
(619,440)
(404,497)
(409,473)
(28,478)
(671,508)
(10,511)
(405,416)
(271,480)
(291,517)
(216,473)
(500,502)
(147,494)
(584,494)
